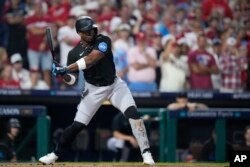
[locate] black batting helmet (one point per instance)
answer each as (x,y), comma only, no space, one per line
(85,23)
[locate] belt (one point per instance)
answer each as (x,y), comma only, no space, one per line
(103,83)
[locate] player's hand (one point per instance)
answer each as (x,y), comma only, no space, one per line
(58,70)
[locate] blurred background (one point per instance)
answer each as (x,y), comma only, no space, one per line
(193,92)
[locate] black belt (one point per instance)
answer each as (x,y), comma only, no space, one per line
(102,83)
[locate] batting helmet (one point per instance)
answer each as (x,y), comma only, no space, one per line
(85,23)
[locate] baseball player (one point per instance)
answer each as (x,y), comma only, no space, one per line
(94,55)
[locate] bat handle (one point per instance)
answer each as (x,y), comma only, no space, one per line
(57,64)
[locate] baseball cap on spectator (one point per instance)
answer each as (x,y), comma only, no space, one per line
(125,27)
(231,41)
(14,123)
(141,36)
(16,58)
(180,39)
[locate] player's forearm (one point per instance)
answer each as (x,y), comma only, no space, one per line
(177,106)
(139,66)
(72,68)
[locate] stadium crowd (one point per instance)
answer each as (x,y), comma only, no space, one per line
(165,45)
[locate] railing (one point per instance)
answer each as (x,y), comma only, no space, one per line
(168,122)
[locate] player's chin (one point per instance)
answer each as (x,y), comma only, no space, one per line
(88,39)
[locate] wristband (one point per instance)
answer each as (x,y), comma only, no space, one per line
(81,64)
(72,80)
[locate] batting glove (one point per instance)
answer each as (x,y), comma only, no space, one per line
(58,70)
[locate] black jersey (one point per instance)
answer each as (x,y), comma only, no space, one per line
(103,72)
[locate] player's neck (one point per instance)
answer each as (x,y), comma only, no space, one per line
(84,44)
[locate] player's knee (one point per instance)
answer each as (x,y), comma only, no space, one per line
(131,112)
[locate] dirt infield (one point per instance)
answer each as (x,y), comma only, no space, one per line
(110,165)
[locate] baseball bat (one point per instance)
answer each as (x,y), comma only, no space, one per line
(50,42)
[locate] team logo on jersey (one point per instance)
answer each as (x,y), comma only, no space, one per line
(81,54)
(103,46)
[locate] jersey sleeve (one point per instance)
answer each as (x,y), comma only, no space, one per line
(103,44)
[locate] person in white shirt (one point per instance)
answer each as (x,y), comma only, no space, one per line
(22,75)
(19,73)
(124,42)
(174,70)
(67,38)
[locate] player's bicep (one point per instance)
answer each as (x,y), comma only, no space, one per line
(93,57)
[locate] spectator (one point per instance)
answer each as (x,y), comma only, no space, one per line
(20,74)
(182,103)
(14,16)
(38,53)
(124,42)
(247,136)
(216,52)
(174,70)
(219,8)
(123,143)
(142,64)
(121,46)
(156,44)
(6,79)
(93,9)
(59,11)
(3,27)
(245,143)
(202,65)
(193,32)
(67,38)
(8,143)
(3,57)
(124,17)
(78,9)
(232,64)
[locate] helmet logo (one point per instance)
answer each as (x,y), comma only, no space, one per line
(103,46)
